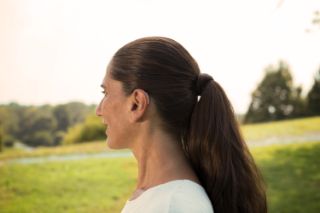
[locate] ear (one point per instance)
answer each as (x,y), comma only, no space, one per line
(139,102)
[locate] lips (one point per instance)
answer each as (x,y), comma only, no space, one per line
(104,122)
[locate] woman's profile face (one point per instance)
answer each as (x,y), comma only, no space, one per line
(114,111)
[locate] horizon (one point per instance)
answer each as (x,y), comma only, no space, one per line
(55,52)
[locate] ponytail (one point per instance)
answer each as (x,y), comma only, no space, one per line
(210,134)
(219,155)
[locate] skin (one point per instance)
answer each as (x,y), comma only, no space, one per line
(133,123)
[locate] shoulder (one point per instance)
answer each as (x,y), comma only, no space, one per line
(191,197)
(177,196)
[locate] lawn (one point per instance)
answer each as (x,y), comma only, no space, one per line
(292,174)
(82,186)
(294,127)
(102,185)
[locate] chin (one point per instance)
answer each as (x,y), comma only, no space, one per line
(112,145)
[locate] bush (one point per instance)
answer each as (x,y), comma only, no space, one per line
(8,141)
(40,138)
(92,129)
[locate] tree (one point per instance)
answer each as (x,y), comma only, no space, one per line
(90,130)
(9,123)
(275,98)
(313,97)
(78,112)
(1,143)
(42,125)
(37,126)
(316,18)
(62,115)
(315,23)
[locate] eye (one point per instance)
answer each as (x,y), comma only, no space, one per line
(104,92)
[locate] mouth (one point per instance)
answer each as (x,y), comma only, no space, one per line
(104,122)
(106,130)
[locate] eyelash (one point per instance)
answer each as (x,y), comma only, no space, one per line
(104,92)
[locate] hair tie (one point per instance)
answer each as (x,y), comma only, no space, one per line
(202,82)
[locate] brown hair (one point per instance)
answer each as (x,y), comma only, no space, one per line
(206,128)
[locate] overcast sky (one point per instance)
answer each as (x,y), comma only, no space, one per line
(56,51)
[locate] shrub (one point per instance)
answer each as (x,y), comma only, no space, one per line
(92,129)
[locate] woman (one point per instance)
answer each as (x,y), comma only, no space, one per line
(182,131)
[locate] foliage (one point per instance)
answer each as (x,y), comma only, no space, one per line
(40,125)
(70,114)
(62,115)
(275,98)
(313,97)
(9,122)
(1,140)
(316,18)
(92,129)
(293,127)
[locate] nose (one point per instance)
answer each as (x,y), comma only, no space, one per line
(98,110)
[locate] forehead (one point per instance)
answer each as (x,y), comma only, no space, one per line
(106,80)
(112,85)
(108,76)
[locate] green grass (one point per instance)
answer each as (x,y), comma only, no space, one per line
(292,174)
(95,185)
(294,127)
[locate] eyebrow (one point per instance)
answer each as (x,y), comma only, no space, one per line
(102,86)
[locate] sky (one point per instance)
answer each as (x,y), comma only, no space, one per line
(56,51)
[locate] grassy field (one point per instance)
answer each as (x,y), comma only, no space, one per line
(95,185)
(292,174)
(294,127)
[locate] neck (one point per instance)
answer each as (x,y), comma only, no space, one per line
(160,159)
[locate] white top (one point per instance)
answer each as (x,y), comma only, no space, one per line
(175,196)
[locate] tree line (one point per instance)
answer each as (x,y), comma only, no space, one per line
(49,125)
(276,97)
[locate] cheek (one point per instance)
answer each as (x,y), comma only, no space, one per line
(118,132)
(115,113)
(107,109)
